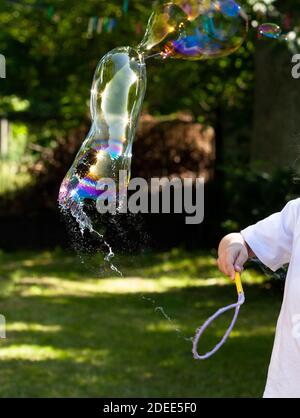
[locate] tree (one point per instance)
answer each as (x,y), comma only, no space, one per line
(51,60)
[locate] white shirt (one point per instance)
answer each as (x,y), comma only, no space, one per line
(276,241)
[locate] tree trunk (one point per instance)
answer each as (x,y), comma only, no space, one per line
(276,129)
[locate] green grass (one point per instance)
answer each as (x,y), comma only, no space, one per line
(70,334)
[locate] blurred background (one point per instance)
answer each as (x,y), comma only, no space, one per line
(233,120)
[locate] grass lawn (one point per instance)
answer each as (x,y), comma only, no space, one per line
(71,334)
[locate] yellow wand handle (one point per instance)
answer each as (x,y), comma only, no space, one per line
(238,283)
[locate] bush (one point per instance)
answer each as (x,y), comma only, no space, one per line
(251,194)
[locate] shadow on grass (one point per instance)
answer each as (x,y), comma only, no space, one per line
(116,345)
(176,263)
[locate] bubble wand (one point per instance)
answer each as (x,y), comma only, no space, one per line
(236,306)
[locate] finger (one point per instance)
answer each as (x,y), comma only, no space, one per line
(226,265)
(239,262)
(222,264)
(230,271)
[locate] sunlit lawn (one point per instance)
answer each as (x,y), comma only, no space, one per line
(71,334)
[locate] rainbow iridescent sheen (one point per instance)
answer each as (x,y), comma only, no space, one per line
(207,29)
(116,99)
(186,29)
(269,30)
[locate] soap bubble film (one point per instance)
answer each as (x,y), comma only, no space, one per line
(208,29)
(193,30)
(116,98)
(269,30)
(164,24)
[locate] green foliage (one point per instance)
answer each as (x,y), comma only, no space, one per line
(50,63)
(13,176)
(14,173)
(252,194)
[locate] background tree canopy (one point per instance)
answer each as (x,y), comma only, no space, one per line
(51,56)
(51,60)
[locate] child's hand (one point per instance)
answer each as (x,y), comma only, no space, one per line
(233,253)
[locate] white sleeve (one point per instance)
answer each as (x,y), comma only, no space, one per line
(271,239)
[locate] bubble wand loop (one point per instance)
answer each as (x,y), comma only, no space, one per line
(236,306)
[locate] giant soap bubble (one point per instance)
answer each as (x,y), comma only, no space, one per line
(116,98)
(165,24)
(207,29)
(187,29)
